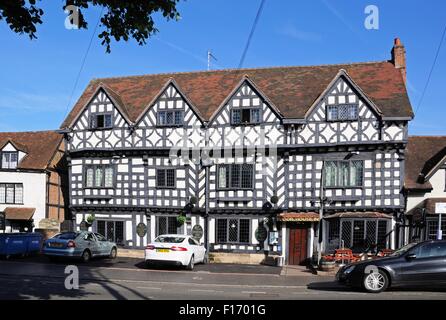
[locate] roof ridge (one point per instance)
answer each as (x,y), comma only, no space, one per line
(241,70)
(37,131)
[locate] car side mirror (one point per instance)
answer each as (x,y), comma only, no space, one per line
(411,256)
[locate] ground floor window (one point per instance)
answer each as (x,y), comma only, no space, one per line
(432,228)
(166,225)
(112,230)
(233,230)
(357,234)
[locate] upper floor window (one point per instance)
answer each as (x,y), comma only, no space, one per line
(165,178)
(343,173)
(342,112)
(9,159)
(99,176)
(11,193)
(101,121)
(170,118)
(245,116)
(235,176)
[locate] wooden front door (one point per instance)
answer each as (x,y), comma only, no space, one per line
(297,253)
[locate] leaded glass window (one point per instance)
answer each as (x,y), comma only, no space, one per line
(343,173)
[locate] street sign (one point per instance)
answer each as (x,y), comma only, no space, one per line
(2,221)
(440,207)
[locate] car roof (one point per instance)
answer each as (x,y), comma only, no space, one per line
(173,235)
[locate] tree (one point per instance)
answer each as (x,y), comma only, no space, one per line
(121,19)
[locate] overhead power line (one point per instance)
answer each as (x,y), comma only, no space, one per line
(431,70)
(259,12)
(83,62)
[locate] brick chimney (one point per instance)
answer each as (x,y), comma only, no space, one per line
(399,57)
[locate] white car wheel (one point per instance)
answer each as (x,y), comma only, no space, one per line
(376,282)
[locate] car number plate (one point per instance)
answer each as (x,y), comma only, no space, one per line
(57,245)
(162,250)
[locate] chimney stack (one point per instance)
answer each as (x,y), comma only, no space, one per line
(399,57)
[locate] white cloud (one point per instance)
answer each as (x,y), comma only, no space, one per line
(24,102)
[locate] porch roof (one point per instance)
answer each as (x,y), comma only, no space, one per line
(363,214)
(13,213)
(298,216)
(428,204)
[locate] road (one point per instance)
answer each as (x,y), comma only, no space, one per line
(124,278)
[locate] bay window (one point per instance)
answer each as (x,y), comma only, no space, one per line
(343,174)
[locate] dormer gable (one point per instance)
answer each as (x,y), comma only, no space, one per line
(11,153)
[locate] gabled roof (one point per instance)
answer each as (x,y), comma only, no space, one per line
(292,90)
(424,154)
(39,146)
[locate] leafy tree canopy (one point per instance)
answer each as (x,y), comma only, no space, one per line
(121,19)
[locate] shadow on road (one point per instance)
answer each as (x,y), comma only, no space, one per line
(333,286)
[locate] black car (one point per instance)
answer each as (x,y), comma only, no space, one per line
(421,263)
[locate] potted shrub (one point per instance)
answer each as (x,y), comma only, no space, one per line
(90,219)
(181,220)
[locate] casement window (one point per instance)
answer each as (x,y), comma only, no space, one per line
(342,112)
(358,234)
(9,159)
(343,174)
(233,230)
(166,225)
(432,228)
(235,176)
(245,116)
(170,118)
(111,230)
(101,121)
(99,176)
(11,193)
(165,178)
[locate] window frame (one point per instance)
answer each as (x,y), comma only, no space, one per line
(227,241)
(250,123)
(157,225)
(14,193)
(165,186)
(338,106)
(94,167)
(94,115)
(229,179)
(2,153)
(174,112)
(350,164)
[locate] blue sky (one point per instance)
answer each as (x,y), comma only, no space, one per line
(37,77)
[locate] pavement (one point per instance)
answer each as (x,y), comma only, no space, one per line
(128,278)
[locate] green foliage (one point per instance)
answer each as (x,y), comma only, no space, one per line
(181,220)
(91,218)
(121,20)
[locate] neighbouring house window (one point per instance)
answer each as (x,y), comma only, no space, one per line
(99,176)
(245,116)
(343,173)
(9,159)
(165,178)
(111,230)
(101,121)
(170,118)
(342,112)
(432,228)
(235,176)
(166,225)
(11,193)
(358,234)
(233,230)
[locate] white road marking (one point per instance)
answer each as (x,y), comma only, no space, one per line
(149,288)
(254,292)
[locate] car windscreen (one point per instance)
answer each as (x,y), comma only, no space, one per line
(67,236)
(169,239)
(404,249)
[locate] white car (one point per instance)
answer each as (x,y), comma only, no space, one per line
(175,248)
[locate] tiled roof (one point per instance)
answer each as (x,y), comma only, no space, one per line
(428,204)
(14,213)
(423,153)
(40,147)
(292,90)
(359,214)
(298,216)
